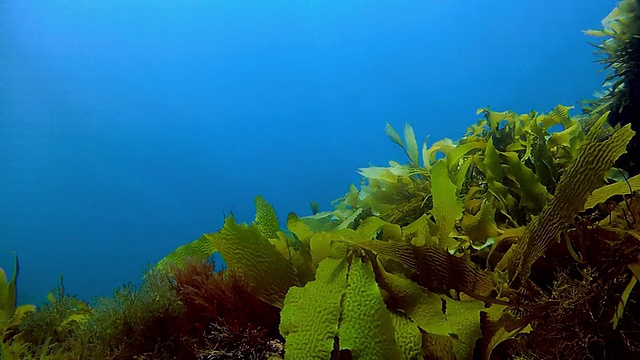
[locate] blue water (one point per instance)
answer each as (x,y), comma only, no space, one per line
(128,128)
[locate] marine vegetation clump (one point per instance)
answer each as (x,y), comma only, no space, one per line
(136,322)
(592,307)
(619,52)
(458,275)
(11,314)
(231,321)
(54,324)
(518,240)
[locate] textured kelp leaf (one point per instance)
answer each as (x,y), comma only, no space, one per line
(310,316)
(601,194)
(447,207)
(393,135)
(366,328)
(349,220)
(418,232)
(454,156)
(565,137)
(408,336)
(301,230)
(379,173)
(595,157)
(434,268)
(299,256)
(412,145)
(266,218)
(322,242)
(402,252)
(561,112)
(202,248)
(493,117)
(482,225)
(250,255)
(461,173)
(391,232)
(464,319)
(440,272)
(444,146)
(423,307)
(321,246)
(198,250)
(370,227)
(438,347)
(351,198)
(533,194)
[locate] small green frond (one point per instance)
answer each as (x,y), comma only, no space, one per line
(412,145)
(447,207)
(266,218)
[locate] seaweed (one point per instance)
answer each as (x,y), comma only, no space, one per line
(456,268)
(619,52)
(511,242)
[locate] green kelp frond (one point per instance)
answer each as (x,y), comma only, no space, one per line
(602,194)
(198,250)
(343,308)
(269,260)
(266,218)
(482,225)
(311,314)
(377,258)
(366,328)
(447,206)
(621,30)
(201,249)
(416,245)
(619,53)
(596,156)
(10,314)
(458,321)
(508,161)
(411,146)
(252,257)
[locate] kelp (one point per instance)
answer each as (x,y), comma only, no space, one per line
(586,173)
(480,217)
(618,52)
(510,242)
(10,313)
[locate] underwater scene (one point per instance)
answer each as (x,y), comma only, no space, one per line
(319,180)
